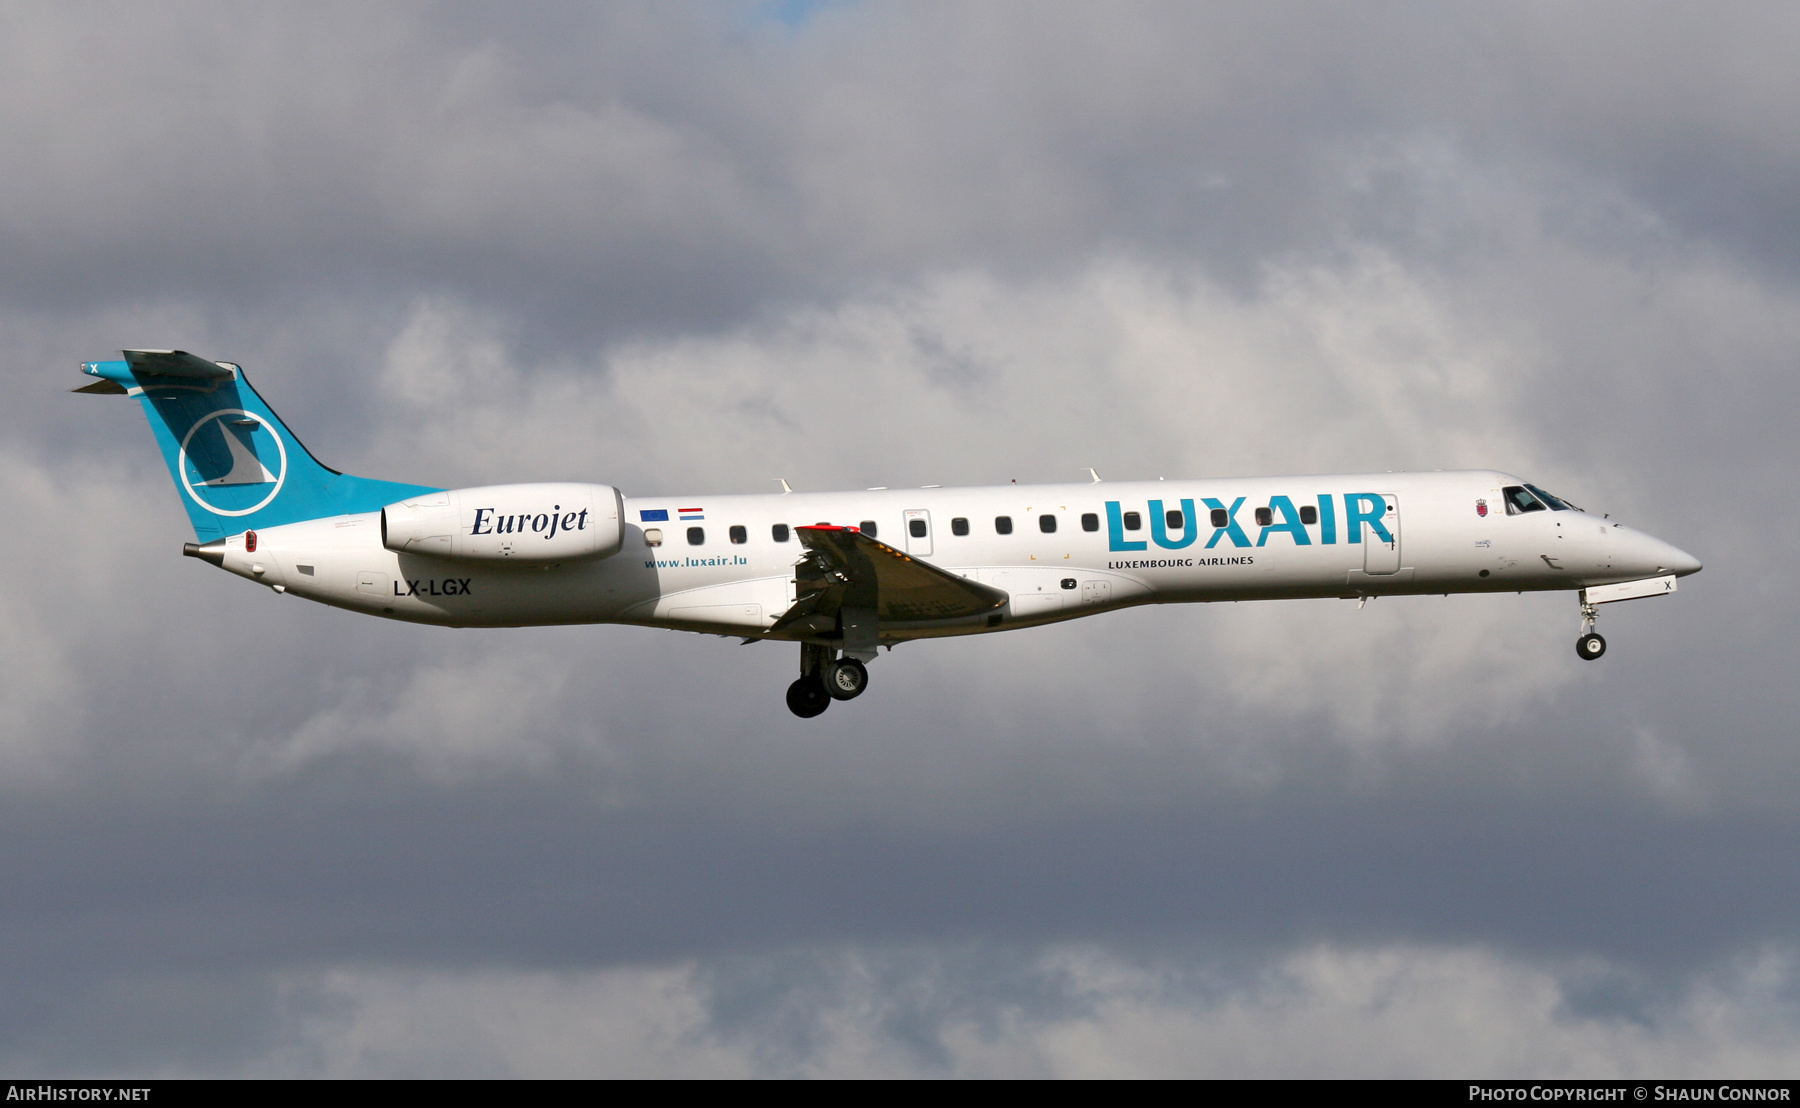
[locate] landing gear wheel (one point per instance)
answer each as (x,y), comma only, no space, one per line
(1590,645)
(845,679)
(806,698)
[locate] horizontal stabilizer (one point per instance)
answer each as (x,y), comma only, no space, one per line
(102,387)
(174,363)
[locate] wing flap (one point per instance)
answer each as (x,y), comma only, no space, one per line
(846,568)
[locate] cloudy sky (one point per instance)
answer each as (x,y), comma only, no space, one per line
(695,248)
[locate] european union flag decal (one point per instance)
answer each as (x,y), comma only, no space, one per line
(653,515)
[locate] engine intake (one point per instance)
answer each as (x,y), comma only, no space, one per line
(499,523)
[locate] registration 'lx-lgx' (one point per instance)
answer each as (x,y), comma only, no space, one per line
(843,574)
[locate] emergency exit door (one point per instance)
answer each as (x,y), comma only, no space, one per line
(918,532)
(1381,556)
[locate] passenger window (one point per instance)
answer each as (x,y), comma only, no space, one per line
(1309,515)
(959,526)
(868,527)
(1264,517)
(1172,519)
(916,528)
(1047,524)
(779,532)
(1133,521)
(696,536)
(1090,521)
(1518,501)
(653,536)
(1003,525)
(739,534)
(1221,517)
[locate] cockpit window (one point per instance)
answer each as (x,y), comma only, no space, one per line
(1557,503)
(1518,501)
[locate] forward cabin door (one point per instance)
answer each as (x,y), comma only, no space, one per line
(918,532)
(1380,557)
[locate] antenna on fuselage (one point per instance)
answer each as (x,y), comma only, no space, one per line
(784,485)
(1095,476)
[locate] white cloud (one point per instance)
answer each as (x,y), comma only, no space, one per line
(629,1022)
(500,710)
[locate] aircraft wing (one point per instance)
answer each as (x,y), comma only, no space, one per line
(845,568)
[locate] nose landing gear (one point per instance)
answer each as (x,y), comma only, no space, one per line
(824,678)
(1591,644)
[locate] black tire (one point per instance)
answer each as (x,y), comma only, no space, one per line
(806,698)
(1590,645)
(845,679)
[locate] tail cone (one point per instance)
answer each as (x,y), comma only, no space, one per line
(213,551)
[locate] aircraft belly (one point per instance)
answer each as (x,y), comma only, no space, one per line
(738,605)
(1039,592)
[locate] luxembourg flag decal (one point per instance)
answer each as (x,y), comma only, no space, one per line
(690,513)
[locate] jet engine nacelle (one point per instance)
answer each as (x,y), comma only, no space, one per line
(560,522)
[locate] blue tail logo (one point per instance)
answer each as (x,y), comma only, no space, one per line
(225,462)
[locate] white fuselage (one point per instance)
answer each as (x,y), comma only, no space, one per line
(1437,541)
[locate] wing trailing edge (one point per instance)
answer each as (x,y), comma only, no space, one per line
(846,569)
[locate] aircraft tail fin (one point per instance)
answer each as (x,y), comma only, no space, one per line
(236,465)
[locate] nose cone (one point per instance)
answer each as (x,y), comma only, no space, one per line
(1653,557)
(1680,562)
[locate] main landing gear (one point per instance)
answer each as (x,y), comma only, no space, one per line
(807,697)
(824,677)
(1590,645)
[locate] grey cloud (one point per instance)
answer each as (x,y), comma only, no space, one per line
(695,250)
(974,1010)
(644,170)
